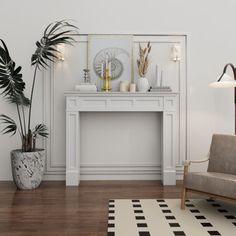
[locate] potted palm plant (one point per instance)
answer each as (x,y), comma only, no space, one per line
(28,161)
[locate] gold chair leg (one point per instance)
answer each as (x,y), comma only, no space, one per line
(183,198)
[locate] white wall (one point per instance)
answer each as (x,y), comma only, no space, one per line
(211,44)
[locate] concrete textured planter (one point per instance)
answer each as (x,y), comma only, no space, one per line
(27,168)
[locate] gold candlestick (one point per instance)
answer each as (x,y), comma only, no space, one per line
(106,81)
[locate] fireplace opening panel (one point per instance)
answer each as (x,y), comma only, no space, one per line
(120,145)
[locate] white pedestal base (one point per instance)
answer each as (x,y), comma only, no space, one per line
(72,178)
(169,177)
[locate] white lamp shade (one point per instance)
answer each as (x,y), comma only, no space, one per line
(225,82)
(176,53)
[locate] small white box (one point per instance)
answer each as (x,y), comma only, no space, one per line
(86,87)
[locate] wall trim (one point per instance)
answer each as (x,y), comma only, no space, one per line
(56,168)
(118,171)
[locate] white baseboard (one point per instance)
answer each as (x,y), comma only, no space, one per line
(116,172)
(54,177)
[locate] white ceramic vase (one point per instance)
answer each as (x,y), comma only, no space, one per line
(143,85)
(27,168)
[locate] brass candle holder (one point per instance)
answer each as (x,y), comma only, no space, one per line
(106,81)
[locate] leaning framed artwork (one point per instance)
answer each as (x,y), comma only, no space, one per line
(113,52)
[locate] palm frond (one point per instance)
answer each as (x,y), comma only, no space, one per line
(11,125)
(19,99)
(60,32)
(10,77)
(40,130)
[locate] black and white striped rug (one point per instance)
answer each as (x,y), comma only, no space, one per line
(159,217)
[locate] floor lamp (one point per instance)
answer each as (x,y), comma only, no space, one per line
(226,81)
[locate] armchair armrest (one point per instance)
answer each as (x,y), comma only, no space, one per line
(188,163)
(186,168)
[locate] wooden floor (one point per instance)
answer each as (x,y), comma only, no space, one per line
(56,210)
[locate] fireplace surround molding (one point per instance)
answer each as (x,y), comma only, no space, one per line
(166,103)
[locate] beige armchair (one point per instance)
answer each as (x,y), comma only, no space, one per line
(220,179)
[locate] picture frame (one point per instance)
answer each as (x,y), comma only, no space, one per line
(119,51)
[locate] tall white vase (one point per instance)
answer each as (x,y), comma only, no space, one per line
(143,85)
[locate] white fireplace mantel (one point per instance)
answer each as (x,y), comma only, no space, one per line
(166,103)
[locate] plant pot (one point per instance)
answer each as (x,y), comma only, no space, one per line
(143,85)
(27,168)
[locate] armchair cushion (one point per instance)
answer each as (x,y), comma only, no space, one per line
(212,182)
(223,154)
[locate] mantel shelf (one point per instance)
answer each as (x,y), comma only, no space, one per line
(118,94)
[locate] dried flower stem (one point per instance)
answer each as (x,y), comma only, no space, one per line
(143,61)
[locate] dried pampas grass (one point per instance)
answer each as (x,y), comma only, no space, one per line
(143,61)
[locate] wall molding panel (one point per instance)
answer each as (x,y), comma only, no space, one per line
(54,110)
